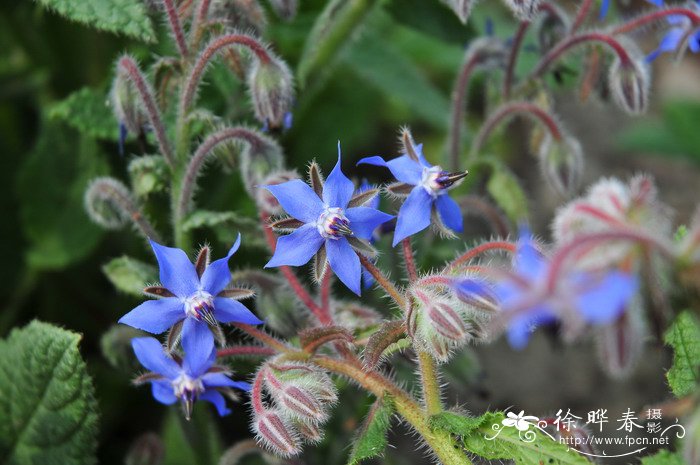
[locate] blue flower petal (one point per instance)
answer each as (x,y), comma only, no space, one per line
(604,7)
(694,43)
(345,263)
(414,214)
(221,380)
(364,220)
(338,189)
(150,354)
(217,275)
(450,213)
(528,261)
(403,168)
(421,157)
(297,248)
(177,272)
(232,311)
(298,199)
(604,301)
(217,399)
(198,343)
(155,316)
(163,392)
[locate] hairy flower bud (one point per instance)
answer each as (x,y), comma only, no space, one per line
(620,344)
(147,449)
(272,91)
(462,8)
(126,104)
(552,28)
(105,202)
(275,434)
(561,162)
(629,85)
(285,9)
(524,10)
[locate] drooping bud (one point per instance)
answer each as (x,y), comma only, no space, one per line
(525,10)
(276,434)
(149,175)
(147,449)
(309,432)
(620,344)
(272,91)
(285,9)
(462,8)
(629,85)
(561,161)
(126,104)
(552,28)
(107,202)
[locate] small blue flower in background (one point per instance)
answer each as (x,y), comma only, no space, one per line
(605,6)
(671,41)
(188,381)
(430,192)
(192,298)
(327,222)
(526,302)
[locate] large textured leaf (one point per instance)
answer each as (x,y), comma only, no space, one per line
(47,407)
(128,17)
(684,337)
(663,457)
(506,443)
(51,185)
(87,111)
(371,439)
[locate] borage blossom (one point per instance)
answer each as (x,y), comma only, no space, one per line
(331,223)
(428,197)
(526,298)
(680,31)
(195,378)
(197,299)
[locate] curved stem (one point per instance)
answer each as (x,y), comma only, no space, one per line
(513,57)
(511,109)
(459,97)
(645,19)
(263,337)
(176,27)
(133,73)
(383,281)
(478,250)
(243,351)
(430,381)
(199,19)
(581,15)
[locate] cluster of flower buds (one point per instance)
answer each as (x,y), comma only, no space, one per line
(300,398)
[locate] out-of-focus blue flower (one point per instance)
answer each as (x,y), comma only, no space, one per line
(430,192)
(605,6)
(328,222)
(526,300)
(671,41)
(188,381)
(192,298)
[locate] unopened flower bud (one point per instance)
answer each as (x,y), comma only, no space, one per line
(561,163)
(275,434)
(524,10)
(629,85)
(309,432)
(272,91)
(620,344)
(552,28)
(285,9)
(147,449)
(301,403)
(265,200)
(105,202)
(462,8)
(126,104)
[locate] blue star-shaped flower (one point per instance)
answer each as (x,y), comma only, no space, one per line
(190,297)
(671,41)
(526,301)
(188,381)
(430,192)
(327,221)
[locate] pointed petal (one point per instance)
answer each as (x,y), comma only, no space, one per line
(528,261)
(450,213)
(414,215)
(604,6)
(338,189)
(218,400)
(232,311)
(403,168)
(217,275)
(198,343)
(345,263)
(150,354)
(177,273)
(163,392)
(298,199)
(603,302)
(221,380)
(297,248)
(364,220)
(155,316)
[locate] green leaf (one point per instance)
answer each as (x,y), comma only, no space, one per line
(371,439)
(663,457)
(87,111)
(48,412)
(226,225)
(149,175)
(505,189)
(51,185)
(506,443)
(128,17)
(129,275)
(684,337)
